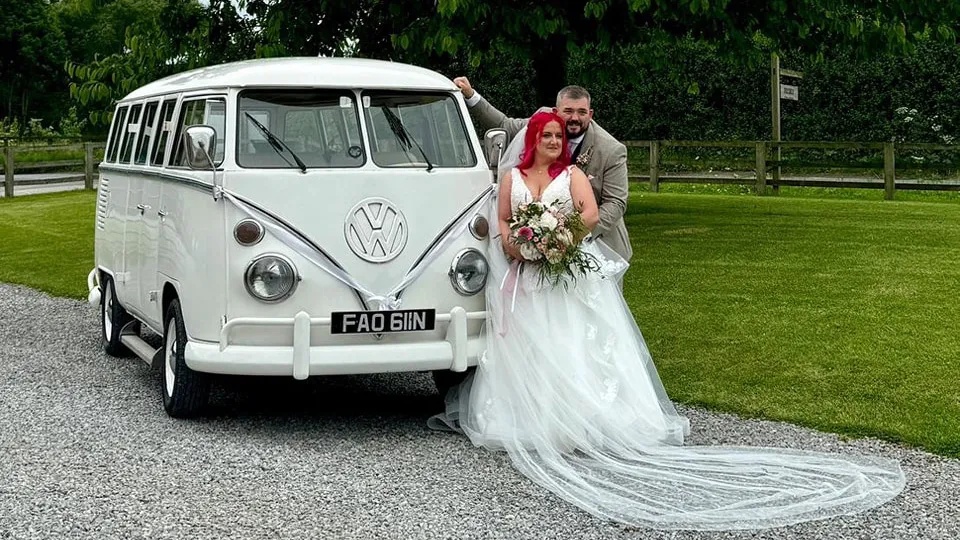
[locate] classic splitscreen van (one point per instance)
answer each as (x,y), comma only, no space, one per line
(293,217)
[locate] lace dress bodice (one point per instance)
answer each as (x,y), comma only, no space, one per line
(558,189)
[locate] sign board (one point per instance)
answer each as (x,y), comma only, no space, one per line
(789,91)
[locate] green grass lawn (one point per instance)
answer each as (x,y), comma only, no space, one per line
(47,241)
(836,314)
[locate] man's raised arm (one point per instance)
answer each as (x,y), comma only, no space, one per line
(486,114)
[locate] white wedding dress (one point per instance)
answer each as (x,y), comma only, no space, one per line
(567,388)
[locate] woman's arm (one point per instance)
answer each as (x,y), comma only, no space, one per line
(505,213)
(583,199)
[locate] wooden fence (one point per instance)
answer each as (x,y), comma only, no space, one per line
(84,169)
(767,171)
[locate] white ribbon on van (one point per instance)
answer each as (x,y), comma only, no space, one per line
(302,246)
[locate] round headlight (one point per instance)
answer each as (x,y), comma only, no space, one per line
(468,273)
(248,232)
(479,227)
(270,278)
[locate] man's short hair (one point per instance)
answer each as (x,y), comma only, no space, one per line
(573,92)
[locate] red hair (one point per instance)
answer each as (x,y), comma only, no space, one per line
(531,140)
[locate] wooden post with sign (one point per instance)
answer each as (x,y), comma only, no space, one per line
(775,111)
(777,92)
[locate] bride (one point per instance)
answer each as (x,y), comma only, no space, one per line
(567,388)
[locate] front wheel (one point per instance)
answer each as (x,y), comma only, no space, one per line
(185,391)
(112,320)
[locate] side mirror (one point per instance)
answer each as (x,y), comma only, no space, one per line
(199,144)
(494,142)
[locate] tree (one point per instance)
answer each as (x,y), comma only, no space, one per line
(187,36)
(97,28)
(746,29)
(32,48)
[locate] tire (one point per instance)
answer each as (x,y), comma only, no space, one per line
(185,391)
(445,379)
(112,320)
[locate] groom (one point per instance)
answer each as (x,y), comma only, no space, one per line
(601,156)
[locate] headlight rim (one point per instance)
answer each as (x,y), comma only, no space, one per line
(296,277)
(453,271)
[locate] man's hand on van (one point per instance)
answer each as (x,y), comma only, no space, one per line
(464,85)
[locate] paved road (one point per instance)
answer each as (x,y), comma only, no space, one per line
(86,452)
(29,184)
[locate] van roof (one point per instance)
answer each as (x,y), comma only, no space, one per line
(299,72)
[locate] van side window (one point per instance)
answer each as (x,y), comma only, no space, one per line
(195,112)
(412,129)
(146,133)
(164,126)
(119,120)
(130,134)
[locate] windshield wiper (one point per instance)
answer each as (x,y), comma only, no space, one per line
(403,135)
(276,143)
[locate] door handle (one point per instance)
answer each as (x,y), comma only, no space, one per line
(142,207)
(162,214)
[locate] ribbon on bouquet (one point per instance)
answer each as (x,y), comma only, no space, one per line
(316,255)
(510,280)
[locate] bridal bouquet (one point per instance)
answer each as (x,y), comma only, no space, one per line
(550,237)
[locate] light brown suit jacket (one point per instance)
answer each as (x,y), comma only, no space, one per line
(602,158)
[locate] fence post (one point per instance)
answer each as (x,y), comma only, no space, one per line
(889,177)
(654,166)
(775,172)
(8,169)
(761,170)
(88,165)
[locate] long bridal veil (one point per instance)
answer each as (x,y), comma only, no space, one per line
(584,415)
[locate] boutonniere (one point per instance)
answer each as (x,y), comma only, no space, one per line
(584,158)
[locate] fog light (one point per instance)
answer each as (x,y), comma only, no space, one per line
(479,227)
(468,273)
(248,232)
(270,278)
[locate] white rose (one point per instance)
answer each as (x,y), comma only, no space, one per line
(548,221)
(530,252)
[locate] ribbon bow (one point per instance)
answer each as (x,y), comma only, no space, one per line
(387,303)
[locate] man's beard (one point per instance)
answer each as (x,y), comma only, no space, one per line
(583,129)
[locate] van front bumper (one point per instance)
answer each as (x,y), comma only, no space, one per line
(455,352)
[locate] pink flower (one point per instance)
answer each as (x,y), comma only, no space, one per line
(525,233)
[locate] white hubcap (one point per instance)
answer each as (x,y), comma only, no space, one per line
(107,311)
(170,358)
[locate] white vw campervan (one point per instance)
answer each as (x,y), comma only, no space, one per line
(293,217)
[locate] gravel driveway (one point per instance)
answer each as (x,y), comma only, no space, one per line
(87,452)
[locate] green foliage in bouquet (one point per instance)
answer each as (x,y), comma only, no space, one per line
(551,238)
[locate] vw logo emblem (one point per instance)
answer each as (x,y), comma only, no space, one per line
(375,230)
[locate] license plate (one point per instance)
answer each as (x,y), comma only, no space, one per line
(382,322)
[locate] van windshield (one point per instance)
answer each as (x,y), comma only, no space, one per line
(321,127)
(410,129)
